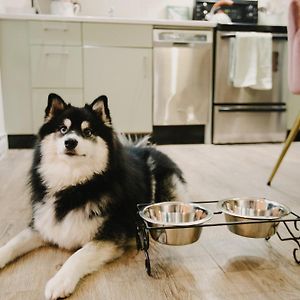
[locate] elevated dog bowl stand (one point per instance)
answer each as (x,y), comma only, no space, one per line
(142,237)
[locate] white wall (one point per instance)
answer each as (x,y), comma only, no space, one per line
(151,9)
(148,9)
(276,14)
(156,9)
(3,136)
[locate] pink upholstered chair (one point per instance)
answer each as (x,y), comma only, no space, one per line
(294,72)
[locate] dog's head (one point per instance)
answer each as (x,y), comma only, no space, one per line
(75,141)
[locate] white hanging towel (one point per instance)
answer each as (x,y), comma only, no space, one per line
(264,61)
(251,60)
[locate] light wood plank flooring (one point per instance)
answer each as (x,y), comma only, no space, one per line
(220,265)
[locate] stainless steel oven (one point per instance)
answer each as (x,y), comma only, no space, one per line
(245,115)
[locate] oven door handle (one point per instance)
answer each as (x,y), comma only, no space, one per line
(252,109)
(275,36)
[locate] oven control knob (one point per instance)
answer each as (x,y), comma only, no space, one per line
(250,7)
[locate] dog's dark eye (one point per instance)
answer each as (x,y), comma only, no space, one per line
(87,132)
(63,129)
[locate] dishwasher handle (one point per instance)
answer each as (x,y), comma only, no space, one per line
(181,37)
(182,44)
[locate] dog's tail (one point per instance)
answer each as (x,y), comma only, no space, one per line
(134,141)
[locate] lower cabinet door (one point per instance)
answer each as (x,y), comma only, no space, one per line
(124,75)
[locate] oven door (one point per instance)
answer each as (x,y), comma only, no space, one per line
(225,92)
(249,123)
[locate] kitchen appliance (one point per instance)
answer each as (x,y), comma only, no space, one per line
(182,82)
(246,115)
(242,11)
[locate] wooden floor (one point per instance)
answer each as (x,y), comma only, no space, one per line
(220,265)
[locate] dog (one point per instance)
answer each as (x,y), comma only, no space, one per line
(85,186)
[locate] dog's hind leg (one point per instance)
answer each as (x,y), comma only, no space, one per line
(24,242)
(83,262)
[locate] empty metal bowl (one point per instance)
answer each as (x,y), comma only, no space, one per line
(177,214)
(251,209)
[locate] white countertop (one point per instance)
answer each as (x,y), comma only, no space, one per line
(100,19)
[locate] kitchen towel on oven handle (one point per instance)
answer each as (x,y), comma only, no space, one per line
(250,61)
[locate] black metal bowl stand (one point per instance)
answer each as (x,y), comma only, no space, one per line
(142,236)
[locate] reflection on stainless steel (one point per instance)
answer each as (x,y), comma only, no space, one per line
(254,115)
(249,124)
(182,76)
(247,209)
(175,214)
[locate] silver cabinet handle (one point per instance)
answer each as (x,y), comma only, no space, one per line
(56,53)
(55,28)
(145,67)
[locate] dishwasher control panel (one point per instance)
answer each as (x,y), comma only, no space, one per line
(182,36)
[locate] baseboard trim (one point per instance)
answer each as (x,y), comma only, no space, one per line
(21,141)
(179,134)
(190,134)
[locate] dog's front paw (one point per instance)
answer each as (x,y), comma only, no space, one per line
(60,287)
(5,257)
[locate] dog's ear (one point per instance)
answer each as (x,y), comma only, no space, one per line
(55,105)
(100,106)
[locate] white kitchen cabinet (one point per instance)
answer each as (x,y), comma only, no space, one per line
(40,101)
(118,63)
(15,71)
(117,35)
(125,76)
(55,33)
(56,66)
(79,61)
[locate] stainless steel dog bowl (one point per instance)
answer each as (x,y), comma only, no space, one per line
(177,214)
(251,209)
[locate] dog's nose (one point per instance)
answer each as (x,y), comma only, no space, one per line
(71,144)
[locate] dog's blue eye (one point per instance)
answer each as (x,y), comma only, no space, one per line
(87,132)
(63,129)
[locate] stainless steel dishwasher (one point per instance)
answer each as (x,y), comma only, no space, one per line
(182,77)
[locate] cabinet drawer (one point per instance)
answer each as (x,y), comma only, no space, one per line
(54,33)
(40,100)
(125,35)
(56,66)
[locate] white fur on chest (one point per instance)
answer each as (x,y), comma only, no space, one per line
(73,231)
(59,170)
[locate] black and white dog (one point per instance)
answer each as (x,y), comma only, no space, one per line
(85,186)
